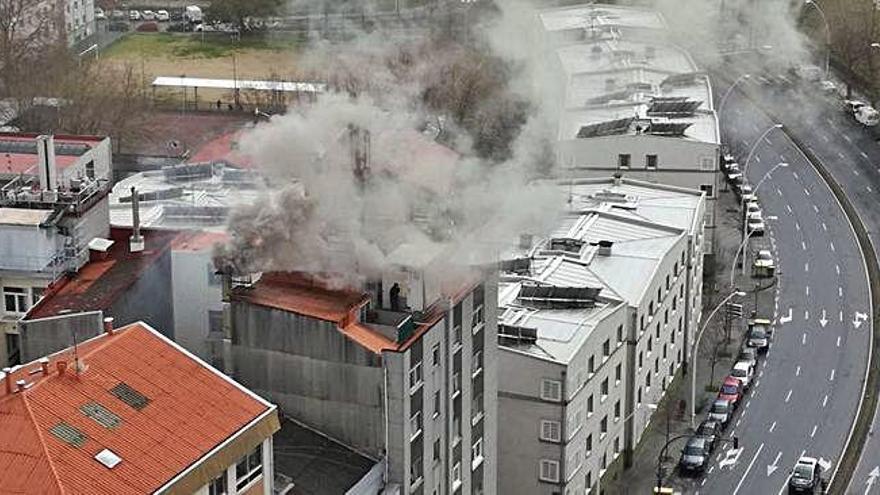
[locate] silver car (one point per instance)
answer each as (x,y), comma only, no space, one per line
(720,411)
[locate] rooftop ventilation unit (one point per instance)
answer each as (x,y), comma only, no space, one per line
(520,266)
(566,244)
(196,171)
(516,335)
(108,458)
(552,297)
(605,248)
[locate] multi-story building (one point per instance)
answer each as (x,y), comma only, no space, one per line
(130,411)
(402,368)
(630,101)
(594,323)
(53,205)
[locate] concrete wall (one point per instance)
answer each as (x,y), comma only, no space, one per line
(149,299)
(28,248)
(196,292)
(312,372)
(49,335)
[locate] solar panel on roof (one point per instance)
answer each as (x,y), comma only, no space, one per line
(130,396)
(668,128)
(559,297)
(68,434)
(609,128)
(101,415)
(677,108)
(685,79)
(608,97)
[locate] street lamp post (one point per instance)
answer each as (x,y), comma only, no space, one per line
(696,348)
(730,90)
(827,34)
(745,233)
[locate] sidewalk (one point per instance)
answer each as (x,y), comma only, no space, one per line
(641,478)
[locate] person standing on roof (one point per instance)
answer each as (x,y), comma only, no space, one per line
(394,294)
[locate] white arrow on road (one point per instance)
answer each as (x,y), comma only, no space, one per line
(872,478)
(824,464)
(771,468)
(858,318)
(823,321)
(730,457)
(785,319)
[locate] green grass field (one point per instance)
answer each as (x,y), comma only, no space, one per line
(173,45)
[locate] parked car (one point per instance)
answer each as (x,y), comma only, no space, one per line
(711,431)
(163,16)
(745,193)
(828,87)
(134,15)
(755,225)
(757,339)
(753,208)
(695,456)
(748,355)
(743,371)
(863,113)
(117,15)
(99,14)
(731,167)
(806,477)
(731,391)
(760,322)
(720,411)
(736,180)
(763,266)
(149,15)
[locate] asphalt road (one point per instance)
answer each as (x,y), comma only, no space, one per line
(851,152)
(807,393)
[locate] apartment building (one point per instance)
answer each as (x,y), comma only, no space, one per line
(402,368)
(53,205)
(130,411)
(630,101)
(594,323)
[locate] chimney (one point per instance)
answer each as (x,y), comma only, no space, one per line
(617,178)
(108,325)
(136,241)
(46,163)
(61,366)
(7,379)
(44,366)
(21,385)
(525,241)
(605,248)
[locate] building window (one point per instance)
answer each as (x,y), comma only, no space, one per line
(707,163)
(456,430)
(415,470)
(476,408)
(650,345)
(591,365)
(214,277)
(709,189)
(604,388)
(651,162)
(436,403)
(618,373)
(619,334)
(16,299)
(36,294)
(603,425)
(90,169)
(478,320)
(606,348)
(617,411)
(217,486)
(249,468)
(674,302)
(590,404)
(551,431)
(623,161)
(617,445)
(13,349)
(415,424)
(415,375)
(437,449)
(435,354)
(549,471)
(456,383)
(456,475)
(648,379)
(639,396)
(641,359)
(477,452)
(215,322)
(589,449)
(478,362)
(551,390)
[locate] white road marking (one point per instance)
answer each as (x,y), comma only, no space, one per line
(826,138)
(773,427)
(840,316)
(804,339)
(848,139)
(813,433)
(840,153)
(747,405)
(816,208)
(825,401)
(832,245)
(806,314)
(795,175)
(711,468)
(838,341)
(806,191)
(869,189)
(749,468)
(837,269)
(779,191)
(788,207)
(767,140)
(797,226)
(856,172)
(804,245)
(757,158)
(797,372)
(807,289)
(824,227)
(839,291)
(807,267)
(788,396)
(864,155)
(831,378)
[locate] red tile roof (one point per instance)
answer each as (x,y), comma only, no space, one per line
(223,149)
(191,410)
(21,163)
(98,284)
(198,240)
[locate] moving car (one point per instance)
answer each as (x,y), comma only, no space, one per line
(711,431)
(731,391)
(694,456)
(763,266)
(720,411)
(806,476)
(863,113)
(757,339)
(162,15)
(744,372)
(134,15)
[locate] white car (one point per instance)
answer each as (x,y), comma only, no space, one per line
(162,15)
(753,209)
(743,371)
(763,265)
(755,225)
(134,15)
(149,15)
(99,14)
(745,192)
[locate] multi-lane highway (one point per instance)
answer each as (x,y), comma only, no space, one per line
(808,389)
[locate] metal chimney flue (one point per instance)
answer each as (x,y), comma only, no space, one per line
(48,172)
(136,241)
(7,379)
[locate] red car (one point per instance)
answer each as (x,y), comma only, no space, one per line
(731,390)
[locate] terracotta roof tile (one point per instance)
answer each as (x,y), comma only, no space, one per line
(191,410)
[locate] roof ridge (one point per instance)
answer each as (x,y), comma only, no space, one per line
(33,422)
